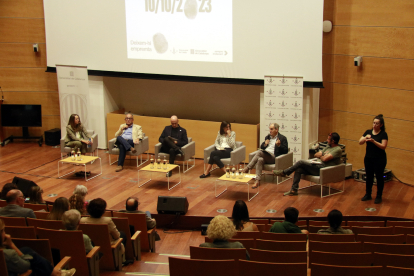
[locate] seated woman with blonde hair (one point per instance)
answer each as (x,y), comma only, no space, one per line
(220,230)
(241,218)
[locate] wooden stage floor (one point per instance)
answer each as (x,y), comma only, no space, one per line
(40,164)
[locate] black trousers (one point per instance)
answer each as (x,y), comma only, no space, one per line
(375,166)
(216,155)
(168,146)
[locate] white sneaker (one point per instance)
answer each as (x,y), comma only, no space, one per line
(69,272)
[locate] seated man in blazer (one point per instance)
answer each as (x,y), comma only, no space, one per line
(14,208)
(275,144)
(173,138)
(127,136)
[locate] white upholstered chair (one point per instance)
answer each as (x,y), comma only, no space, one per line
(94,147)
(189,152)
(140,148)
(282,162)
(236,156)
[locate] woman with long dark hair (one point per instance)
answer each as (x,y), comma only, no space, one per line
(241,218)
(76,134)
(60,206)
(225,144)
(375,157)
(36,195)
(335,221)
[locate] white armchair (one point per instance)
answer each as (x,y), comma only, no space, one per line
(282,162)
(236,156)
(327,176)
(189,152)
(140,148)
(94,147)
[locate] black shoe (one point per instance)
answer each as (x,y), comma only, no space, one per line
(204,176)
(366,197)
(169,174)
(378,200)
(127,262)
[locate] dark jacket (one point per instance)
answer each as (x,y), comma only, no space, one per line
(285,227)
(182,135)
(282,149)
(14,210)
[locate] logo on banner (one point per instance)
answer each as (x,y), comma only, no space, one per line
(296,116)
(283,92)
(295,150)
(283,104)
(296,105)
(295,138)
(283,80)
(283,115)
(270,92)
(282,127)
(71,73)
(270,103)
(270,80)
(270,114)
(296,81)
(296,93)
(295,127)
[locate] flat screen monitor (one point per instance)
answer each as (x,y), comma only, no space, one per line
(21,115)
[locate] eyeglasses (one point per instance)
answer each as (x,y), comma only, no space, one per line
(128,119)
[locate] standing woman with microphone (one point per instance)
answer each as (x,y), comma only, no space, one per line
(375,157)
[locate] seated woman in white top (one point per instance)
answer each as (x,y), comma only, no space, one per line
(241,218)
(225,144)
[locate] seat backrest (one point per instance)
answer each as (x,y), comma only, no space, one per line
(248,268)
(410,239)
(140,224)
(268,256)
(339,247)
(396,239)
(185,267)
(69,243)
(99,234)
(397,260)
(239,144)
(189,139)
(260,221)
(342,259)
(247,243)
(329,270)
(373,230)
(44,223)
(40,246)
(203,253)
(402,249)
(332,238)
(21,232)
(264,227)
(122,224)
(401,223)
(41,215)
(3,203)
(366,223)
(36,207)
(403,230)
(281,245)
(11,221)
(283,236)
(247,235)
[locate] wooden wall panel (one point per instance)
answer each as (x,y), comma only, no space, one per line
(380,72)
(27,79)
(368,100)
(327,65)
(204,133)
(26,30)
(358,41)
(374,13)
(21,8)
(48,122)
(22,55)
(48,100)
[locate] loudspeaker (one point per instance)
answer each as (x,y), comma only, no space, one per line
(52,137)
(172,205)
(24,185)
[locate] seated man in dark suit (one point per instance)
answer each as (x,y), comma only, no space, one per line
(14,208)
(131,205)
(289,225)
(173,138)
(275,144)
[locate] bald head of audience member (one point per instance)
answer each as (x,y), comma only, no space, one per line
(71,219)
(131,204)
(174,121)
(15,197)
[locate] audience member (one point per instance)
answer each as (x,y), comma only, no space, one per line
(71,220)
(335,220)
(241,218)
(96,208)
(21,260)
(15,204)
(6,188)
(36,195)
(82,191)
(131,205)
(289,225)
(220,230)
(60,206)
(76,202)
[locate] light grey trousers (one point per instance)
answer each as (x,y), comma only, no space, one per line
(259,160)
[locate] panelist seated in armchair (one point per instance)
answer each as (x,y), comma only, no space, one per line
(127,136)
(76,135)
(275,144)
(329,156)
